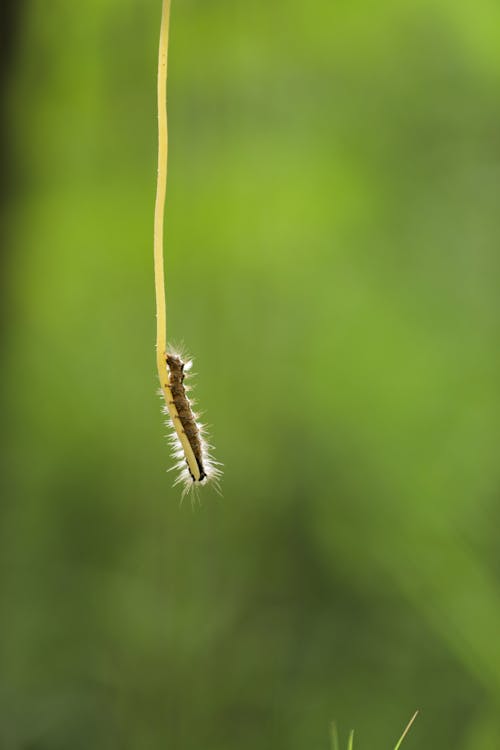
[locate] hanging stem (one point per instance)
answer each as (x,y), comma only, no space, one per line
(161,188)
(159,269)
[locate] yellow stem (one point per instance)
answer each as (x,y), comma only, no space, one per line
(408,727)
(161,189)
(159,269)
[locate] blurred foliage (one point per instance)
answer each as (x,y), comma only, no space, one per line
(332,261)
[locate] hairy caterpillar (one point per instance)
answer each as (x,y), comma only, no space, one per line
(189,446)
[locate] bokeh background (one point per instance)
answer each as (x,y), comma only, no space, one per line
(332,251)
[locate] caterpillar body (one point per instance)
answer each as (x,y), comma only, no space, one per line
(188,440)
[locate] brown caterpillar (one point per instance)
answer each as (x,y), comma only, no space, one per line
(189,445)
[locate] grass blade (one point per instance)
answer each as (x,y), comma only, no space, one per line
(408,726)
(334,737)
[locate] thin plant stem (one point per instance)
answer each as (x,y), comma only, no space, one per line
(161,189)
(159,266)
(408,726)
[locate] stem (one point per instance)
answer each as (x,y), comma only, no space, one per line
(159,269)
(408,726)
(161,189)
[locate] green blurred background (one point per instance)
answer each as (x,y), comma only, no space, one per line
(332,253)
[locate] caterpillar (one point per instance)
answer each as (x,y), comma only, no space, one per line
(188,440)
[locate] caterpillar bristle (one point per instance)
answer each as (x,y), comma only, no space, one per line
(190,450)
